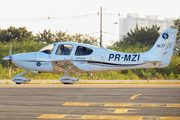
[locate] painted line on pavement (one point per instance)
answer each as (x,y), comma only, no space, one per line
(120,110)
(134,96)
(104,117)
(121,104)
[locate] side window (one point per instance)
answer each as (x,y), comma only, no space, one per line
(64,49)
(83,51)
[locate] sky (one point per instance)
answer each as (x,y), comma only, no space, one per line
(80,16)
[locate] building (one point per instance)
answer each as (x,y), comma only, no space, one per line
(129,23)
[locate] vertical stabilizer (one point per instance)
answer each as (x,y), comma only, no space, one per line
(163,48)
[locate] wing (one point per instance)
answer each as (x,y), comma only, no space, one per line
(62,65)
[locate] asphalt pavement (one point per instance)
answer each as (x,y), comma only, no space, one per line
(97,81)
(90,101)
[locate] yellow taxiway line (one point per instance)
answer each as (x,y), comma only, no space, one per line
(121,110)
(121,104)
(114,111)
(133,97)
(104,117)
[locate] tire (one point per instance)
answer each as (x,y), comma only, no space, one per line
(18,83)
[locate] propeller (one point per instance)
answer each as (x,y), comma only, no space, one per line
(10,60)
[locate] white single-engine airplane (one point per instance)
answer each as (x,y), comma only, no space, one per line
(69,57)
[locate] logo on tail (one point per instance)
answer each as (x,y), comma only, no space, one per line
(165,36)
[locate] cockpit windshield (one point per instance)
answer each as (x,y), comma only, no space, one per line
(47,49)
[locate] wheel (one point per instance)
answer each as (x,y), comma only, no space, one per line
(18,83)
(68,83)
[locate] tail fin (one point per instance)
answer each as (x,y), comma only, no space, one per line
(162,50)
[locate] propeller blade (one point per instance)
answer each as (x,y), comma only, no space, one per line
(10,65)
(10,68)
(11,48)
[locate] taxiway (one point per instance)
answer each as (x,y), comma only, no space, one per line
(87,101)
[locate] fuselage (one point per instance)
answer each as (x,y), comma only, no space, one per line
(94,59)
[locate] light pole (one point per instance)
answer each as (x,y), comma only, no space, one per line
(109,27)
(100,43)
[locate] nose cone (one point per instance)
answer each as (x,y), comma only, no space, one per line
(7,58)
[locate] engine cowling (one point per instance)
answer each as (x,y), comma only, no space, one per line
(68,79)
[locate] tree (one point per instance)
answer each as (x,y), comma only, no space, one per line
(15,33)
(177,44)
(45,37)
(80,38)
(61,36)
(143,36)
(139,38)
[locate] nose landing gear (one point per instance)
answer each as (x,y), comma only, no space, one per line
(18,79)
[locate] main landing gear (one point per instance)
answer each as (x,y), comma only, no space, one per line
(67,79)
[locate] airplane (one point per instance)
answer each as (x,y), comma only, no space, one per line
(76,58)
